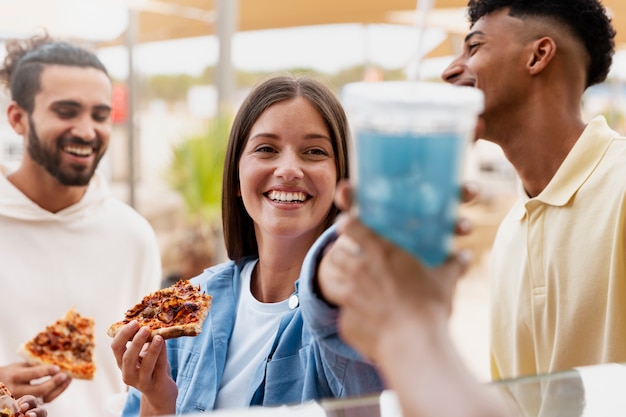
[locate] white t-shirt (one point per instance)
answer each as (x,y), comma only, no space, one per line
(255,329)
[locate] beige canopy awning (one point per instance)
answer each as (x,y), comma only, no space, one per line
(174,19)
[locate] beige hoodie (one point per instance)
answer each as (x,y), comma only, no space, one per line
(98,255)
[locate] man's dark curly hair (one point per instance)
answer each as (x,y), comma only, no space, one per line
(586,18)
(26,58)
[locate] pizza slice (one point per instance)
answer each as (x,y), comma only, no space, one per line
(67,343)
(8,405)
(178,310)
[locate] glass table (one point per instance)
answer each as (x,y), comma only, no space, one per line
(592,391)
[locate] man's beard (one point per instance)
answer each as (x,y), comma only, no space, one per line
(50,157)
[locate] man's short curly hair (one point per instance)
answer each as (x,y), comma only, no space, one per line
(586,18)
(26,58)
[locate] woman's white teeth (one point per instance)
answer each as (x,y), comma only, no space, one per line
(282,196)
(79,151)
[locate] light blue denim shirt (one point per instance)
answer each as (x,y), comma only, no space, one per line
(307,360)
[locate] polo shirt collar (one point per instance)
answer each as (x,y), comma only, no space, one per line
(579,164)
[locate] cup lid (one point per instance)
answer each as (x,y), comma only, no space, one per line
(413,93)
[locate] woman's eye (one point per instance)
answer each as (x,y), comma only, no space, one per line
(263,149)
(318,151)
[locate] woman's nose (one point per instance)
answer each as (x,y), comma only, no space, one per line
(289,167)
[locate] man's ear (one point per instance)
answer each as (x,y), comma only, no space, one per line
(543,51)
(18,118)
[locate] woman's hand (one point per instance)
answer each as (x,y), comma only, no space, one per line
(144,366)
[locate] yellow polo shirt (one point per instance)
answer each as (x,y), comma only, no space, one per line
(558,285)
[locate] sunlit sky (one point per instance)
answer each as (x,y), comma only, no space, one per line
(324,48)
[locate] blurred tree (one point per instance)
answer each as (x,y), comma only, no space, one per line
(174,88)
(170,88)
(195,171)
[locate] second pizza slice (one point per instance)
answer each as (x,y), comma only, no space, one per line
(67,343)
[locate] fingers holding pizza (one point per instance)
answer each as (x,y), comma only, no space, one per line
(25,406)
(142,359)
(51,388)
(61,351)
(31,406)
(139,340)
(8,405)
(20,377)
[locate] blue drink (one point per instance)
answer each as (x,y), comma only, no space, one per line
(408,188)
(410,142)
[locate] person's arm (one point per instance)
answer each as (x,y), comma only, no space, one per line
(346,371)
(395,312)
(422,366)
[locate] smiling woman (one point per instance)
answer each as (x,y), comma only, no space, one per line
(286,152)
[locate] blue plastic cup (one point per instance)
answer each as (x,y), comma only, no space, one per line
(410,145)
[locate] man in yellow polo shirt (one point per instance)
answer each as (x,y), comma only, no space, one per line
(559,270)
(559,260)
